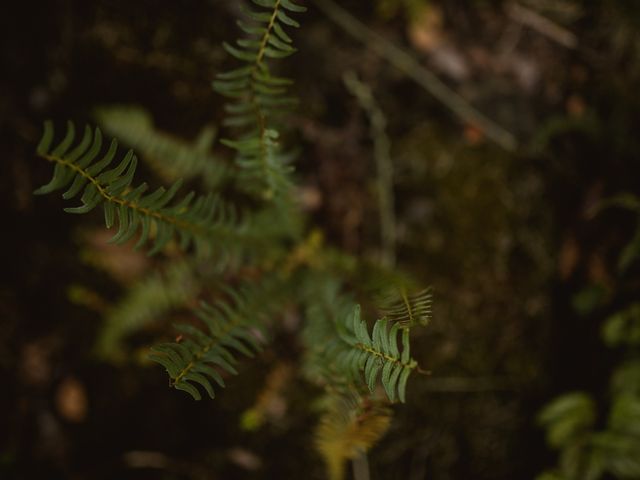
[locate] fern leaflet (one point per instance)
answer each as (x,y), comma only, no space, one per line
(377,354)
(195,359)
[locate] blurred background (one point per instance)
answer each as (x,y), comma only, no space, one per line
(513,136)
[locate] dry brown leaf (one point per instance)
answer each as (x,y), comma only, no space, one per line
(71,400)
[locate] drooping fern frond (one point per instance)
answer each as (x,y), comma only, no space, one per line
(376,354)
(350,426)
(196,359)
(258,97)
(170,157)
(408,310)
(205,221)
(233,327)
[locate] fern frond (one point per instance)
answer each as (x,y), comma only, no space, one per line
(205,221)
(232,327)
(170,157)
(350,426)
(257,96)
(407,310)
(196,359)
(377,354)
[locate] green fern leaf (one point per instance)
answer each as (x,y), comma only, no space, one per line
(376,355)
(204,221)
(197,359)
(258,98)
(232,325)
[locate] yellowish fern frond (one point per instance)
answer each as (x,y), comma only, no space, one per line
(350,426)
(407,309)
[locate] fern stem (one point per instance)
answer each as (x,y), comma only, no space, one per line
(384,356)
(407,305)
(260,116)
(265,37)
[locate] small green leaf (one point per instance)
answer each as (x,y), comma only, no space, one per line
(289,5)
(190,389)
(47,138)
(402,383)
(282,35)
(61,149)
(286,19)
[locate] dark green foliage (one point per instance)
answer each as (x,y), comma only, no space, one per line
(213,226)
(257,97)
(376,354)
(567,418)
(339,345)
(587,450)
(231,329)
(626,378)
(197,220)
(586,453)
(325,305)
(623,328)
(340,351)
(260,262)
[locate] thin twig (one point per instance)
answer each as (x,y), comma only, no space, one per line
(384,165)
(542,25)
(407,64)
